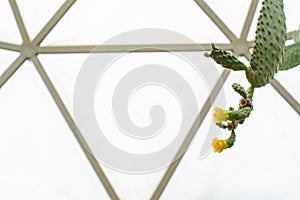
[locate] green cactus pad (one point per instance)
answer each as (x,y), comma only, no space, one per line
(226,59)
(239,89)
(291,57)
(269,43)
(230,141)
(235,115)
(250,92)
(296,36)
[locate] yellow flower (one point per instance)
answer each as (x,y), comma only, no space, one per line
(220,115)
(219,145)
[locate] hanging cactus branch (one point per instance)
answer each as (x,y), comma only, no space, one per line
(220,145)
(269,54)
(226,59)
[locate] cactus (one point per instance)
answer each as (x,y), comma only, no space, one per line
(269,43)
(239,89)
(226,59)
(291,57)
(269,55)
(236,115)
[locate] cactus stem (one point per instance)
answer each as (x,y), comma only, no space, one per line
(250,92)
